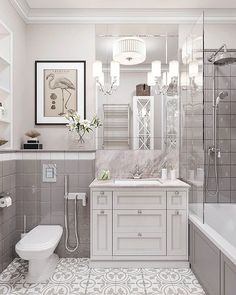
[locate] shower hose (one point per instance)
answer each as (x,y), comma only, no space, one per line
(68,247)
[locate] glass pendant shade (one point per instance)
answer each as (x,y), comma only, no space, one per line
(193,69)
(129,51)
(174,68)
(97,68)
(156,68)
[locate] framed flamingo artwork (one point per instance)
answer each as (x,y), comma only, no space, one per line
(60,86)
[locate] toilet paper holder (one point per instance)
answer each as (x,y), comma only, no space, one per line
(5,199)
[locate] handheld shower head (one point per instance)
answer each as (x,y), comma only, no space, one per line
(221,95)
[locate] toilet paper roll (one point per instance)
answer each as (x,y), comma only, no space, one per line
(5,202)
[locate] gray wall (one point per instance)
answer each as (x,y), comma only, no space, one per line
(42,203)
(7,215)
(226,130)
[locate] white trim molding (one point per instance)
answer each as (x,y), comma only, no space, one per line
(117,15)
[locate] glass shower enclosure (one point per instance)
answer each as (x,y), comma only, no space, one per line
(192,154)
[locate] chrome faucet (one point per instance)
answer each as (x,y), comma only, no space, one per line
(137,172)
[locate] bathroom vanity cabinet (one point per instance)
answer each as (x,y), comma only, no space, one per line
(139,224)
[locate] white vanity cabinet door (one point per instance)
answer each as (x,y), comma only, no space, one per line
(139,244)
(134,221)
(176,199)
(177,232)
(102,232)
(102,200)
(136,199)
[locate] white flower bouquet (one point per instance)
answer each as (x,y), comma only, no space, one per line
(81,127)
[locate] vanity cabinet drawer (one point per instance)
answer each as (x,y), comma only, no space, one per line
(139,244)
(176,200)
(139,200)
(139,221)
(102,200)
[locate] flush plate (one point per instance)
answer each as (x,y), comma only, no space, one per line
(49,173)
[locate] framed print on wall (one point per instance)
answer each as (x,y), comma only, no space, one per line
(59,86)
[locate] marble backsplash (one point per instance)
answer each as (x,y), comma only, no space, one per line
(121,163)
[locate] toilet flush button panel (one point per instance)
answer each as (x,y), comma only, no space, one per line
(49,173)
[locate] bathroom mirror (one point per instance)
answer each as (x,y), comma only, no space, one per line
(135,115)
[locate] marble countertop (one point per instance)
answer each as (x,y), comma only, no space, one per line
(143,183)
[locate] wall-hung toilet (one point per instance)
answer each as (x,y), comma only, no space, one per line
(38,247)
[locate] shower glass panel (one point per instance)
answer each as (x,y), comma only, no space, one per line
(192,113)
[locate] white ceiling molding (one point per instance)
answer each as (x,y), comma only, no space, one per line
(119,16)
(22,8)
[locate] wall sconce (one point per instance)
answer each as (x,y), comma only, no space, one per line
(98,74)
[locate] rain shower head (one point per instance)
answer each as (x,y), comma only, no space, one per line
(225,58)
(219,58)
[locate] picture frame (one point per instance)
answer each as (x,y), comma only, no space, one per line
(59,86)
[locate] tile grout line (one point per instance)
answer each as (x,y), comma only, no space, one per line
(86,289)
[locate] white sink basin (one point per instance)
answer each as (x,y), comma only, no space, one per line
(138,182)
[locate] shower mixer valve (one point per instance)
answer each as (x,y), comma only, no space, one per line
(212,150)
(78,196)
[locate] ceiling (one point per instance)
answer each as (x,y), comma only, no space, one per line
(125,11)
(177,4)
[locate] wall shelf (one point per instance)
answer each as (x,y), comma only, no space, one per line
(6,126)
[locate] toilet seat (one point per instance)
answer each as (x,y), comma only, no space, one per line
(40,238)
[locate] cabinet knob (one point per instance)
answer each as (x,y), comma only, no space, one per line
(102,212)
(102,193)
(139,235)
(176,192)
(177,212)
(139,211)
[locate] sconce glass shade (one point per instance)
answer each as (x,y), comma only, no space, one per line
(199,80)
(193,69)
(166,78)
(184,80)
(187,50)
(174,68)
(150,79)
(115,69)
(156,68)
(129,51)
(97,68)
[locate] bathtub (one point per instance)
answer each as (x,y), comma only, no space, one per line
(213,248)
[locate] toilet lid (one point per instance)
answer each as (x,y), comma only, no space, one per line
(41,237)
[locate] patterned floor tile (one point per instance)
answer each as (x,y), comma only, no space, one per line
(130,289)
(182,276)
(11,276)
(161,289)
(189,289)
(159,276)
(5,289)
(101,289)
(74,277)
(36,289)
